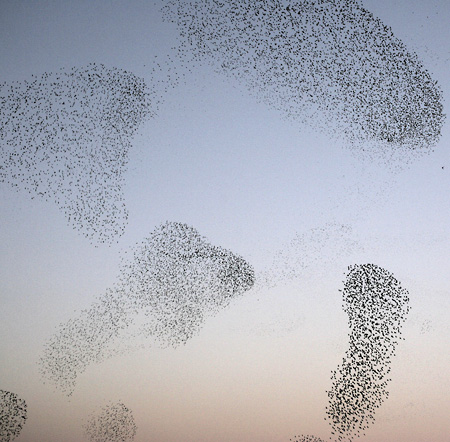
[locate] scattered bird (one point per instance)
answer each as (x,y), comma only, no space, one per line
(308,251)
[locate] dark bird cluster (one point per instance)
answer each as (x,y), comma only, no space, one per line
(377,306)
(114,423)
(65,137)
(306,438)
(175,279)
(328,63)
(13,414)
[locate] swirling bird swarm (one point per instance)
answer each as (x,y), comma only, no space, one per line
(13,414)
(175,279)
(115,423)
(377,306)
(319,61)
(65,137)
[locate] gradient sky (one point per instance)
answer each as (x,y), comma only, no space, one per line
(217,159)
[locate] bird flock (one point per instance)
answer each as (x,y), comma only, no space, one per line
(330,64)
(175,278)
(306,438)
(376,306)
(65,137)
(13,414)
(114,423)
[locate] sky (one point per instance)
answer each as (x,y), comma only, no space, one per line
(297,203)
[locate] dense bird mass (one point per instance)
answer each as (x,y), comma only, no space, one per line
(13,414)
(175,279)
(320,62)
(114,423)
(65,137)
(377,306)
